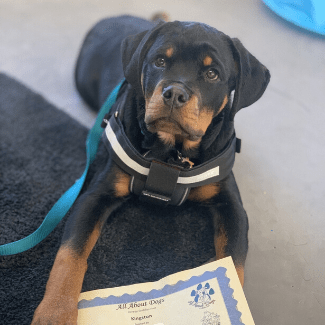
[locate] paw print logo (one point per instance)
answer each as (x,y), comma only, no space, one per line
(210,319)
(202,296)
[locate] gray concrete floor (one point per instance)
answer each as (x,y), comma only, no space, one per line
(280,171)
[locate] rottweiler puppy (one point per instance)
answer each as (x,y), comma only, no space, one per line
(185,81)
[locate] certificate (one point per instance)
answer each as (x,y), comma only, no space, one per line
(207,295)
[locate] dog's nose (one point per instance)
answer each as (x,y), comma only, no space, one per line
(175,96)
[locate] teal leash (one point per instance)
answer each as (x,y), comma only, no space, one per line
(62,206)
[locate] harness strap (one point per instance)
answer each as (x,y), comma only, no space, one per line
(149,179)
(62,206)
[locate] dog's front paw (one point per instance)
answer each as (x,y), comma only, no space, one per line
(55,313)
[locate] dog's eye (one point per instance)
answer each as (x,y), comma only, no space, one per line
(160,62)
(212,74)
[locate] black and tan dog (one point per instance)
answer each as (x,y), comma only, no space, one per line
(177,96)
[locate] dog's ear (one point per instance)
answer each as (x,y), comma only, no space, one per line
(134,49)
(130,57)
(251,80)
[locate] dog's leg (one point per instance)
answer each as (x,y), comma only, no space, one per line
(230,225)
(59,305)
(230,240)
(229,218)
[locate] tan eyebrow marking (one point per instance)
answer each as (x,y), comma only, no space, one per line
(207,60)
(169,52)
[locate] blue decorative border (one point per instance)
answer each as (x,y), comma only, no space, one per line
(219,273)
(230,301)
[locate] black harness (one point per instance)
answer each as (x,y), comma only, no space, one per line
(159,182)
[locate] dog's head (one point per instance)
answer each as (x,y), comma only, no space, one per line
(186,72)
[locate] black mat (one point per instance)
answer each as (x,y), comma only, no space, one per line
(42,152)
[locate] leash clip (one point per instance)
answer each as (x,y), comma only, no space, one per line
(177,160)
(184,160)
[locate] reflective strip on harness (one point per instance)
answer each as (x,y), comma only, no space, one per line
(199,178)
(119,151)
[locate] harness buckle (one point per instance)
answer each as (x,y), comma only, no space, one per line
(160,184)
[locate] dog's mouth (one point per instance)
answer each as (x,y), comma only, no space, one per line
(174,128)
